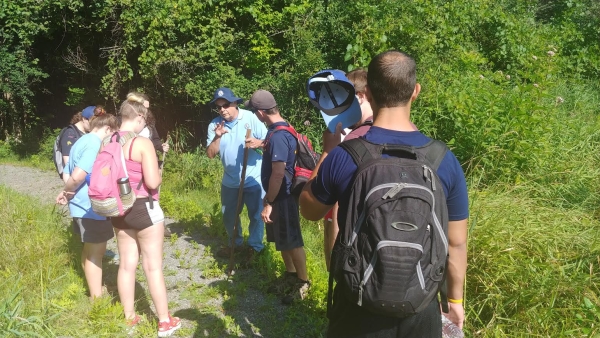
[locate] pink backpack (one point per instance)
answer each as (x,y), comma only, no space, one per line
(108,168)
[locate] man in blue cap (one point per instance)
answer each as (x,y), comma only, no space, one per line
(227,137)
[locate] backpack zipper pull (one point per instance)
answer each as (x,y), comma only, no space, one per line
(360,293)
(432,180)
(393,191)
(430,176)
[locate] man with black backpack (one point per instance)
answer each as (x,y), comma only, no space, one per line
(79,125)
(403,209)
(280,208)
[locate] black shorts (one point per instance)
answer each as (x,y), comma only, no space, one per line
(141,216)
(350,320)
(285,231)
(92,230)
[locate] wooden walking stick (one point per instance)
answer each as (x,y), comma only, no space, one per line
(239,204)
(162,164)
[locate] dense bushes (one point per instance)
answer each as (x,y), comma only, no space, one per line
(179,51)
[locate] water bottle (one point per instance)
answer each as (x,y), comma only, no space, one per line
(450,330)
(124,187)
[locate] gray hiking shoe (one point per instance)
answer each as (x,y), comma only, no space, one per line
(167,232)
(299,291)
(283,284)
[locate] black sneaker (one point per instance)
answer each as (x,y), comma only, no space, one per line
(298,291)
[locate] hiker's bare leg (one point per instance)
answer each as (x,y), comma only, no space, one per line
(298,257)
(151,244)
(288,261)
(92,266)
(129,258)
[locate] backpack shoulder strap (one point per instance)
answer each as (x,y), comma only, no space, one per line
(289,129)
(434,152)
(361,150)
(366,123)
(122,139)
(126,137)
(64,130)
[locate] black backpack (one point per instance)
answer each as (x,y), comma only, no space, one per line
(306,159)
(390,256)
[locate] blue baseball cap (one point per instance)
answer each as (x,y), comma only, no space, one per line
(227,94)
(88,112)
(334,95)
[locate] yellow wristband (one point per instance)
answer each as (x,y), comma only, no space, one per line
(455,301)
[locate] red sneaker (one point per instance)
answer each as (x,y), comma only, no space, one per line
(166,329)
(131,323)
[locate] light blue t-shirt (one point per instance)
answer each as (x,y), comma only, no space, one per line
(232,148)
(82,155)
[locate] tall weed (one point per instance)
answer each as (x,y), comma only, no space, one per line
(531,267)
(43,291)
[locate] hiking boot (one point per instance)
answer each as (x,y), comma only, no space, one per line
(168,232)
(297,292)
(224,252)
(166,329)
(283,284)
(249,255)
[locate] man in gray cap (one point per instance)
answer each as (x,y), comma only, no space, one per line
(227,137)
(280,207)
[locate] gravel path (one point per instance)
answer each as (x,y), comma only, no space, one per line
(209,304)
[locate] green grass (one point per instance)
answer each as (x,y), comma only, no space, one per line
(534,243)
(43,293)
(31,150)
(532,272)
(531,267)
(533,251)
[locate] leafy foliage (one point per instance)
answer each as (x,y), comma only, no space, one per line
(510,85)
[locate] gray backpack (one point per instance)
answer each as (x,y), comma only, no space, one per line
(391,252)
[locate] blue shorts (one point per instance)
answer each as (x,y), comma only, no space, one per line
(285,231)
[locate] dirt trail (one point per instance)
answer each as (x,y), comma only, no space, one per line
(209,304)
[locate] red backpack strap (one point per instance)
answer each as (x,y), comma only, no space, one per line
(289,129)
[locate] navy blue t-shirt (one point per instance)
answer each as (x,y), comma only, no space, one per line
(281,147)
(335,173)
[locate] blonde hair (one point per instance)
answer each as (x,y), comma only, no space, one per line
(129,110)
(140,98)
